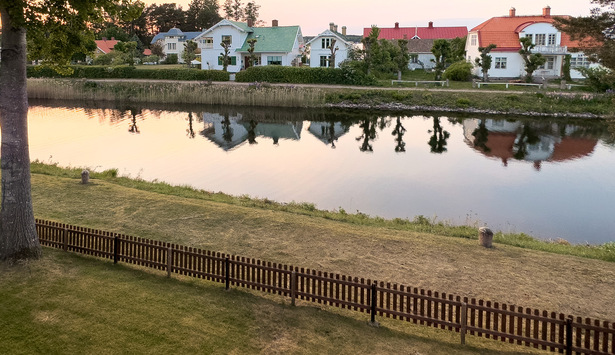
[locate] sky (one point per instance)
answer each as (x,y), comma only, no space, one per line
(314,16)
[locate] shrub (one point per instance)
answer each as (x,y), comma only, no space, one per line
(171,59)
(280,74)
(128,72)
(459,71)
(599,79)
(151,59)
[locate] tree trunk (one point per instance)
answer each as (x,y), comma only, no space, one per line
(18,238)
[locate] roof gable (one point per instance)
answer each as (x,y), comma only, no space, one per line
(240,26)
(272,39)
(329,33)
(420,45)
(106,45)
(420,32)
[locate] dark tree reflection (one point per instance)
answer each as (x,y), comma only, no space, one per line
(132,126)
(437,141)
(399,132)
(368,135)
(252,132)
(527,137)
(190,130)
(481,136)
(227,130)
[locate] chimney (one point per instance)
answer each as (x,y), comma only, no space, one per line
(274,23)
(343,30)
(250,22)
(335,28)
(512,12)
(113,38)
(104,38)
(546,12)
(331,25)
(396,25)
(430,24)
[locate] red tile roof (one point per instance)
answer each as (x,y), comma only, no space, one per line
(504,31)
(106,45)
(422,32)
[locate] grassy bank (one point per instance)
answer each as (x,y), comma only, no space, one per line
(543,275)
(66,304)
(258,94)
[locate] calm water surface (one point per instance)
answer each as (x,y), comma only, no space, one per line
(548,178)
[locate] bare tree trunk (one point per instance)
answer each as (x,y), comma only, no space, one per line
(18,237)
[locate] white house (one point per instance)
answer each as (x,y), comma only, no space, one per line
(275,45)
(174,41)
(320,51)
(505,33)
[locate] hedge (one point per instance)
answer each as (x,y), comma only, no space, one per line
(303,75)
(127,72)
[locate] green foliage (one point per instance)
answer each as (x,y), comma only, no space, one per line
(459,71)
(189,53)
(156,49)
(442,51)
(151,59)
(171,59)
(566,68)
(458,49)
(484,62)
(225,55)
(532,60)
(346,75)
(125,53)
(100,72)
(599,79)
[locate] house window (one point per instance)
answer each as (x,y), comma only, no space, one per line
(500,62)
(540,39)
(551,39)
(171,46)
(228,39)
(549,64)
(580,61)
(324,61)
(232,62)
(530,36)
(207,42)
(274,60)
(326,43)
(414,59)
(473,40)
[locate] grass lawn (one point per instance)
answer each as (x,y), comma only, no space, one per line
(70,304)
(415,254)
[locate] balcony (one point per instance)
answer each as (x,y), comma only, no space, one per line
(550,49)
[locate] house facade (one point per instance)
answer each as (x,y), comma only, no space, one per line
(174,41)
(275,45)
(505,32)
(420,40)
(320,51)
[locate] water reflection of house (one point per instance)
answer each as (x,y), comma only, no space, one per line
(328,132)
(505,140)
(229,131)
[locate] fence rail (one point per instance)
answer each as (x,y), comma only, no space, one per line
(508,323)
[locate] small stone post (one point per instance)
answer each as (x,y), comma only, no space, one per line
(485,237)
(85,177)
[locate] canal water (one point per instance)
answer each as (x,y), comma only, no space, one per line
(550,178)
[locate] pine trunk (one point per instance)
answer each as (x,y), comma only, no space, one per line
(18,238)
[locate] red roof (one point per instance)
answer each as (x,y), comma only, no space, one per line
(429,32)
(106,45)
(504,31)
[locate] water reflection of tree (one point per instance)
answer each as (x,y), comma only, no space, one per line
(481,136)
(190,130)
(399,132)
(368,134)
(527,137)
(252,132)
(227,130)
(132,127)
(437,141)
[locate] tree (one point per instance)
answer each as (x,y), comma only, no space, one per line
(55,33)
(333,49)
(402,57)
(458,49)
(250,12)
(226,59)
(595,33)
(128,52)
(201,14)
(156,49)
(251,47)
(442,52)
(370,45)
(532,60)
(189,53)
(484,62)
(166,16)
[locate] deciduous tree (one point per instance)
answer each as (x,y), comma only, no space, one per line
(484,62)
(189,53)
(442,52)
(532,60)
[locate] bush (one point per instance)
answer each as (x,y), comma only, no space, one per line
(128,72)
(599,79)
(280,74)
(170,59)
(459,71)
(151,59)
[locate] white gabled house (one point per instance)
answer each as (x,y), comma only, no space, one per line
(174,41)
(320,51)
(275,45)
(505,33)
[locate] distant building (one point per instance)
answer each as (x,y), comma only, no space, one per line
(174,41)
(104,46)
(420,40)
(319,46)
(506,31)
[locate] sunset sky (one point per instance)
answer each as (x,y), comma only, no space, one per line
(314,16)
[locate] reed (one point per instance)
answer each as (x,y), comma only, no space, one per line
(176,93)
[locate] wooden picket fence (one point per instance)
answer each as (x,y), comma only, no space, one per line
(551,331)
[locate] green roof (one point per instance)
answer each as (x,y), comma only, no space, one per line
(272,39)
(242,25)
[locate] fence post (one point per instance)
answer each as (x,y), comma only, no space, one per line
(227,273)
(569,336)
(373,304)
(65,239)
(169,261)
(464,322)
(116,247)
(293,287)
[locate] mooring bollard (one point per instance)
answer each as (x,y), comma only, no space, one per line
(85,177)
(485,237)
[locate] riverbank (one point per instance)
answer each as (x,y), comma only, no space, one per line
(495,102)
(416,253)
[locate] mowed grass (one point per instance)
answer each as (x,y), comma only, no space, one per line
(413,254)
(71,304)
